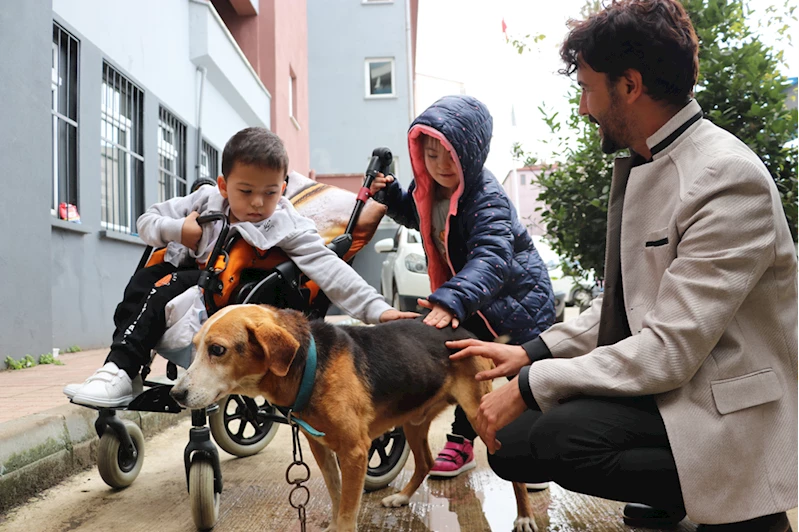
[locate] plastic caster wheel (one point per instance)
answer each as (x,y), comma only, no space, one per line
(204,500)
(117,469)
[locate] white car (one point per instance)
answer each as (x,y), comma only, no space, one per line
(403,278)
(575,291)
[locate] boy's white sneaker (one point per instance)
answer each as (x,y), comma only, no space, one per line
(109,387)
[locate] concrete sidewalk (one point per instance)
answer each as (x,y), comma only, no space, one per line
(43,437)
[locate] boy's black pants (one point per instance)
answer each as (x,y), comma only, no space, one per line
(614,448)
(140,318)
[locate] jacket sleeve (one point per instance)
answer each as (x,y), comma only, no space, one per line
(575,337)
(336,278)
(401,207)
(727,243)
(163,222)
(488,260)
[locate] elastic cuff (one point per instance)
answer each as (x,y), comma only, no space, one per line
(536,350)
(171,229)
(526,391)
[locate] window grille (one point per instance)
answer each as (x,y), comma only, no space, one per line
(122,152)
(171,156)
(64,107)
(209,161)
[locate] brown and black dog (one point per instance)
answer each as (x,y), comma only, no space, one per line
(368,380)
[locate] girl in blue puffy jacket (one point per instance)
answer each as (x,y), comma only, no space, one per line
(485,273)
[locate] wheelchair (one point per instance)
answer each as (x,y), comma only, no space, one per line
(243,426)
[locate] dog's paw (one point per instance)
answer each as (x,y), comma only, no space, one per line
(395,501)
(524,524)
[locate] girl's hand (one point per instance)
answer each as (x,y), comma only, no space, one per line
(191,232)
(380,182)
(439,316)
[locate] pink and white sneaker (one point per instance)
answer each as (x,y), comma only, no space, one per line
(456,457)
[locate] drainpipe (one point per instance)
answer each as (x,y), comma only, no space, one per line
(409,50)
(203,73)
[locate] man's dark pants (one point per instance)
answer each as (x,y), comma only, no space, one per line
(614,448)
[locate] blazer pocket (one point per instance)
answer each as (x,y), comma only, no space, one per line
(746,391)
(657,238)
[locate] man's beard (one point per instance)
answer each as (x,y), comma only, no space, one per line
(613,128)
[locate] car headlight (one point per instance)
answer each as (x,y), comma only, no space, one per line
(415,263)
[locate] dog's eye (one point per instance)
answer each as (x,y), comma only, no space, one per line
(216,350)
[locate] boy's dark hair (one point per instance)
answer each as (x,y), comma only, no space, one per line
(257,146)
(654,37)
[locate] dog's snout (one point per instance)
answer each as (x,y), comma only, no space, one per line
(179,394)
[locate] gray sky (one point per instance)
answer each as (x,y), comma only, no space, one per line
(462,41)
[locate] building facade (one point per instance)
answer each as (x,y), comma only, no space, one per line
(360,86)
(107,111)
(521,187)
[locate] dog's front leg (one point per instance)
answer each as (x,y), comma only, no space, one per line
(354,460)
(326,460)
(423,460)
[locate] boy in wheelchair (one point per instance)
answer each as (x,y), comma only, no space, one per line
(250,193)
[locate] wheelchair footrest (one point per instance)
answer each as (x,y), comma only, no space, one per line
(155,399)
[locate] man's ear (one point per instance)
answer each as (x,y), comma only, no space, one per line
(278,345)
(221,182)
(632,85)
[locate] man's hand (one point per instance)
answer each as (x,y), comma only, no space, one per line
(497,409)
(439,316)
(508,359)
(191,232)
(394,314)
(380,182)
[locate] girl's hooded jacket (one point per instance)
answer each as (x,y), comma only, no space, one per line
(493,267)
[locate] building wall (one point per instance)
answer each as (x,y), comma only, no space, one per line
(26,40)
(67,278)
(523,192)
(346,126)
(276,42)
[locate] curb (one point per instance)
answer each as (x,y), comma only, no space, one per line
(41,450)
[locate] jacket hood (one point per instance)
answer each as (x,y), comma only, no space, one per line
(464,126)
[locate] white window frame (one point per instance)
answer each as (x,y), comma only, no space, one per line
(110,123)
(55,84)
(375,2)
(368,78)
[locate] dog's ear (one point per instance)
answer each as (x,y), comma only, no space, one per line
(279,347)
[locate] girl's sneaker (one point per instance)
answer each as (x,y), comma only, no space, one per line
(456,457)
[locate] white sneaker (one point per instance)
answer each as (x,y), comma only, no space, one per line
(71,389)
(537,486)
(109,387)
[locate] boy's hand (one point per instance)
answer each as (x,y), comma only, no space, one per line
(192,232)
(439,316)
(394,314)
(381,181)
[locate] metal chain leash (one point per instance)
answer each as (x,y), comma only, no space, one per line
(299,494)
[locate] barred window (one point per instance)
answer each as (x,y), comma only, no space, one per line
(171,156)
(209,162)
(64,107)
(122,150)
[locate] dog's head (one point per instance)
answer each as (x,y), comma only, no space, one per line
(235,349)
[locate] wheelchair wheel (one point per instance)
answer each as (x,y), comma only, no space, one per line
(387,457)
(204,500)
(240,426)
(116,467)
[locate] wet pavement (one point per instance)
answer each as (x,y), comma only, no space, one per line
(255,498)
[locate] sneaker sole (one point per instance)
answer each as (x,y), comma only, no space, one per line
(455,472)
(537,486)
(103,403)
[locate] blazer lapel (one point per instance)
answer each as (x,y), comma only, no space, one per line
(613,325)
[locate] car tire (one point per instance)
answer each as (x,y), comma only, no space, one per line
(396,301)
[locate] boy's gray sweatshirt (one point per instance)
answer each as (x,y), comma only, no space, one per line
(286,229)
